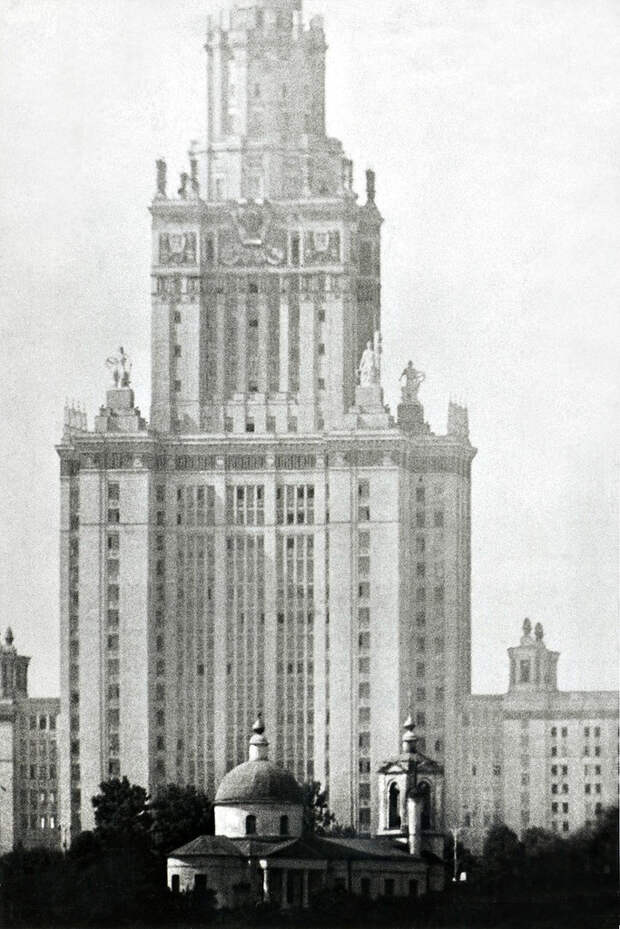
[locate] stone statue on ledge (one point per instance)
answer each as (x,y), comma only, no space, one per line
(121,368)
(370,363)
(413,381)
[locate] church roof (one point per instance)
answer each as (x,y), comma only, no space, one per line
(308,847)
(259,781)
(213,845)
(424,764)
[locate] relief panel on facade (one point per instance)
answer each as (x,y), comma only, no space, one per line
(322,248)
(252,239)
(177,248)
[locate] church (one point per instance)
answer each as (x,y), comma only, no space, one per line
(261,851)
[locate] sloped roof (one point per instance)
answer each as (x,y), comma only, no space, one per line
(214,845)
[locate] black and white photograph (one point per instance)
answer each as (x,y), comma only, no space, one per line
(310,471)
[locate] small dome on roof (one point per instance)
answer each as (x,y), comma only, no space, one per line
(259,781)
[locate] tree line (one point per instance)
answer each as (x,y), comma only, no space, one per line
(115,875)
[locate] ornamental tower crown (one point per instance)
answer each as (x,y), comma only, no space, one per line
(533,667)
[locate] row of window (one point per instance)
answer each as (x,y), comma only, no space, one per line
(586,751)
(39,772)
(586,732)
(42,722)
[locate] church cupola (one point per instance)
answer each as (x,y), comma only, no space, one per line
(533,667)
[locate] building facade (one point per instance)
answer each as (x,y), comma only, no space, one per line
(537,756)
(273,537)
(29,801)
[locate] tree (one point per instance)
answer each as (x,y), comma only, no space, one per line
(501,854)
(317,816)
(537,841)
(178,815)
(121,813)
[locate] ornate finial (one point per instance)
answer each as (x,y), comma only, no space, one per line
(527,627)
(538,632)
(409,739)
(371,185)
(9,637)
(193,166)
(121,368)
(183,189)
(413,381)
(161,177)
(258,743)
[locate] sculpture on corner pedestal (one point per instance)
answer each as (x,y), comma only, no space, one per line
(413,381)
(121,368)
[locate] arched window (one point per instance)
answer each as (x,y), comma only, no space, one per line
(250,825)
(284,825)
(424,790)
(394,807)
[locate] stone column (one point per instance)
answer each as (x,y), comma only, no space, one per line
(284,892)
(305,889)
(263,345)
(307,365)
(219,347)
(242,344)
(266,887)
(284,343)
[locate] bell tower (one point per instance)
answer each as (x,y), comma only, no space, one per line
(410,792)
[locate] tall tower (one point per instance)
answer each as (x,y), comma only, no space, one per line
(274,539)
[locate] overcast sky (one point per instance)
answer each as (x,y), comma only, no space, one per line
(494,130)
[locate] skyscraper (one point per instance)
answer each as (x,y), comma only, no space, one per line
(273,539)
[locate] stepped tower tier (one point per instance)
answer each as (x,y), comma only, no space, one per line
(266,270)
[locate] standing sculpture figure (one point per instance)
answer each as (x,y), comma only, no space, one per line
(370,365)
(121,368)
(413,381)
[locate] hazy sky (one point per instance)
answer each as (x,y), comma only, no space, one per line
(494,130)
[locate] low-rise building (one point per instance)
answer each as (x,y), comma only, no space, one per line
(29,806)
(537,756)
(261,853)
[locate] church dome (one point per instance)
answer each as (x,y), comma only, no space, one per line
(259,781)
